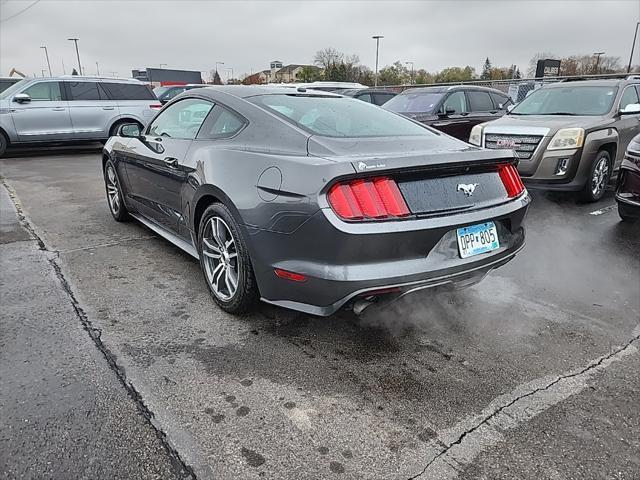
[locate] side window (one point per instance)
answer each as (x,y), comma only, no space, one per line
(382,98)
(128,91)
(365,97)
(629,97)
(221,123)
(501,102)
(47,91)
(456,101)
(479,101)
(172,93)
(181,120)
(85,91)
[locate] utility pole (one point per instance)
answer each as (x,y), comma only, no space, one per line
(75,40)
(597,55)
(48,63)
(633,46)
(411,77)
(377,39)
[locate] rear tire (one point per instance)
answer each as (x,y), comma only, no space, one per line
(114,193)
(4,143)
(225,261)
(598,177)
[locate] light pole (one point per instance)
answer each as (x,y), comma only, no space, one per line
(633,45)
(75,40)
(377,39)
(597,55)
(46,53)
(411,78)
(97,69)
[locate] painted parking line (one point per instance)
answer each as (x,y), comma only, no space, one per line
(603,210)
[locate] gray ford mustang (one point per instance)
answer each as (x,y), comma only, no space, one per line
(313,201)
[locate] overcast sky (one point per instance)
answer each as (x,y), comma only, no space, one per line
(246,35)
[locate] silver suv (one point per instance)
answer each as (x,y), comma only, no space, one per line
(570,135)
(71,108)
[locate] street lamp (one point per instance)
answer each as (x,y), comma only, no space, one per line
(597,55)
(407,63)
(48,63)
(75,40)
(377,39)
(633,45)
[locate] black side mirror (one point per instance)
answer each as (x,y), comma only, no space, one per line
(447,111)
(130,130)
(22,98)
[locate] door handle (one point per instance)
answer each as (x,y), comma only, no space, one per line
(59,109)
(108,108)
(171,162)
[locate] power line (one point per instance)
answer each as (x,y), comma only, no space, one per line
(19,12)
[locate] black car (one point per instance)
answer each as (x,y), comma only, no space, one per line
(167,92)
(369,95)
(311,201)
(628,188)
(454,110)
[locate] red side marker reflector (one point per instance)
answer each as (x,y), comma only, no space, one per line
(294,277)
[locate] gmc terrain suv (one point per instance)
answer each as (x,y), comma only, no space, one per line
(569,136)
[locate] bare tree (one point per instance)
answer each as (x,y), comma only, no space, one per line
(328,57)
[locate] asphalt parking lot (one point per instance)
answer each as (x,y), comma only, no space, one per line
(531,374)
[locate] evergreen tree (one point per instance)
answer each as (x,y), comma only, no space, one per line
(216,79)
(486,70)
(74,72)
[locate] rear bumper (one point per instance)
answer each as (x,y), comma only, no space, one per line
(343,261)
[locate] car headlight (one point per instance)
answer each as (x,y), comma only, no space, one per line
(475,138)
(567,138)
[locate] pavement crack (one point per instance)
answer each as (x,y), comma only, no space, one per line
(95,335)
(500,410)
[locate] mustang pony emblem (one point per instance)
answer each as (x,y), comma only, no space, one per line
(467,188)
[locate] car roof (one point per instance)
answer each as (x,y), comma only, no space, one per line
(245,91)
(61,78)
(452,88)
(604,82)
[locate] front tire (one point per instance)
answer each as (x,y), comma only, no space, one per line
(598,177)
(114,193)
(225,261)
(4,143)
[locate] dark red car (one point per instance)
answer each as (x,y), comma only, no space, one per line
(451,109)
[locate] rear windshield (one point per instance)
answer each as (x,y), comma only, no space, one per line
(418,102)
(128,91)
(569,100)
(338,116)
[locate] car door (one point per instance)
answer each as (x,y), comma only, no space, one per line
(456,122)
(45,116)
(628,125)
(481,108)
(92,111)
(155,161)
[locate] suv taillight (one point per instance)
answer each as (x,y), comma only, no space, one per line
(511,180)
(376,198)
(156,106)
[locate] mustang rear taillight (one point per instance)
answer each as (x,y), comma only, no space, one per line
(376,198)
(511,180)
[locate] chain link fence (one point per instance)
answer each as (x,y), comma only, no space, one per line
(516,89)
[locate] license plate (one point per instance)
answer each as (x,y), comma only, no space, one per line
(477,239)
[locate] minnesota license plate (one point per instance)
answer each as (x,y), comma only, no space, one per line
(477,239)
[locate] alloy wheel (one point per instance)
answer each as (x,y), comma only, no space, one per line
(221,261)
(113,193)
(600,177)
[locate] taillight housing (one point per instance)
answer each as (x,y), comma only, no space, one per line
(368,199)
(511,180)
(156,106)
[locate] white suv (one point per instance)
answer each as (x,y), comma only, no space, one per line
(71,108)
